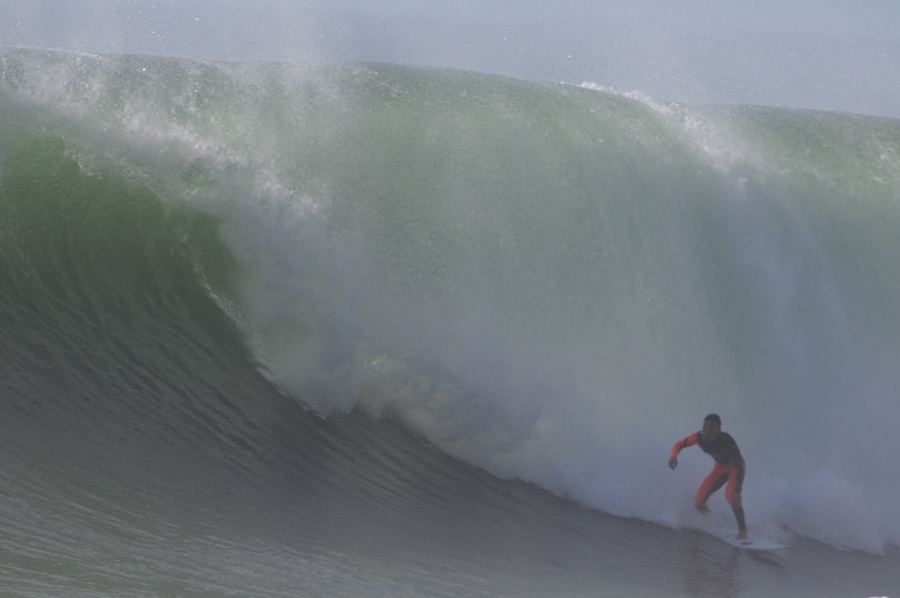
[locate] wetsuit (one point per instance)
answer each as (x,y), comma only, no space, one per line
(729,468)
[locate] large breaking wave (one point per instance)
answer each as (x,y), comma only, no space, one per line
(548,282)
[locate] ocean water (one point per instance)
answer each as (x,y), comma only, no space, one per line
(317,329)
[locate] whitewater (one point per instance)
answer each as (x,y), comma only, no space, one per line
(357,329)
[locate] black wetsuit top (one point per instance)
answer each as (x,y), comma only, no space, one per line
(723,449)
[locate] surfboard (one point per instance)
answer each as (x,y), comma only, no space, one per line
(754,543)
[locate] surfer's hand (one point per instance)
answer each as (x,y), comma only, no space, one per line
(673,463)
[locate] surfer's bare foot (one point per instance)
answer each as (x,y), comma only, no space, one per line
(702,508)
(743,535)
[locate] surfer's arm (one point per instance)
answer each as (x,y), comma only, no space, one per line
(681,444)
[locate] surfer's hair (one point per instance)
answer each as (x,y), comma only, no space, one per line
(713,417)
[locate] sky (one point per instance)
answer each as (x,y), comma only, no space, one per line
(830,55)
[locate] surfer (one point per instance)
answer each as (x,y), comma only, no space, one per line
(729,467)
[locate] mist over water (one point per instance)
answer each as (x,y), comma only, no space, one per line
(803,54)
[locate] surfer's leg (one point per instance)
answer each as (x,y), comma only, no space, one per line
(742,524)
(715,480)
(738,510)
(732,481)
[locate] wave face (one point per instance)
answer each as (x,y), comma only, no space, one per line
(226,286)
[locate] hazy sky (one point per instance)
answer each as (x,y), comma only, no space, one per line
(818,54)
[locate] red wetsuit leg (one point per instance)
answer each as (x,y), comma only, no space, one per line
(715,480)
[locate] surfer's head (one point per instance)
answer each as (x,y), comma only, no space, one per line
(712,426)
